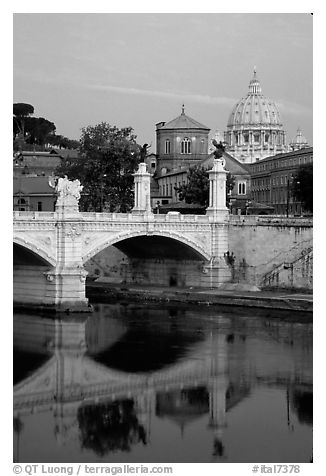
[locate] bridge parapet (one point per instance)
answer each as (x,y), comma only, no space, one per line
(129,217)
(18,215)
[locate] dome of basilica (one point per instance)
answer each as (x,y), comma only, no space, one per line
(254,129)
(255,108)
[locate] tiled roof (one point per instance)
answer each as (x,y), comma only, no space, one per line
(232,164)
(184,122)
(66,153)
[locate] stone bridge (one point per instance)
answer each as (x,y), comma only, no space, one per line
(51,248)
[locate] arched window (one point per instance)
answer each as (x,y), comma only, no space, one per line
(202,146)
(186,146)
(167,146)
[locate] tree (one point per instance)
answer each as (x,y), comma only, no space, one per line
(21,111)
(62,142)
(111,427)
(196,190)
(108,158)
(302,186)
(39,130)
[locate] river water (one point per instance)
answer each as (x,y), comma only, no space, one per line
(155,383)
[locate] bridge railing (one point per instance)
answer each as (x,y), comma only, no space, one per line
(129,217)
(21,215)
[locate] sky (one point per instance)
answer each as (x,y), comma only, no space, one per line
(136,69)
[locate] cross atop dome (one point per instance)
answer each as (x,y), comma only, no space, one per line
(183,109)
(254,85)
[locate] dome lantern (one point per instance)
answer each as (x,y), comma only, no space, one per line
(254,85)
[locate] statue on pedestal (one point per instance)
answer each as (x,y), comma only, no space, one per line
(66,187)
(219,151)
(68,192)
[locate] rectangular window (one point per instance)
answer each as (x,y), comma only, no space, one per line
(241,188)
(167,146)
(39,206)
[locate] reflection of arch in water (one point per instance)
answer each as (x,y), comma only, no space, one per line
(26,364)
(142,351)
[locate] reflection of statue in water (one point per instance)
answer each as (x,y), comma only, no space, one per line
(218,448)
(143,152)
(66,187)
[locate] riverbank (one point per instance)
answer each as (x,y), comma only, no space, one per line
(280,299)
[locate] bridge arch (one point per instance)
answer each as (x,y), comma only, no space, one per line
(105,242)
(35,248)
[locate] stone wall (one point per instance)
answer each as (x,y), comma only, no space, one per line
(271,252)
(113,266)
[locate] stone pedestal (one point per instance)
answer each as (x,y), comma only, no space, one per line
(142,200)
(69,276)
(217,192)
(217,271)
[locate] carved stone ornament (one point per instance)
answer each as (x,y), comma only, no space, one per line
(72,231)
(68,190)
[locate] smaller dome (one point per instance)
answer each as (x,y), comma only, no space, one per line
(299,141)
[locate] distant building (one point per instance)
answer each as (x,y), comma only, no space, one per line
(40,163)
(169,182)
(183,143)
(33,194)
(254,128)
(271,180)
(180,143)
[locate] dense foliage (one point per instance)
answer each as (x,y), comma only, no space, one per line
(108,158)
(196,190)
(107,428)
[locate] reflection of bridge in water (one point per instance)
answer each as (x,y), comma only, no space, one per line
(74,384)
